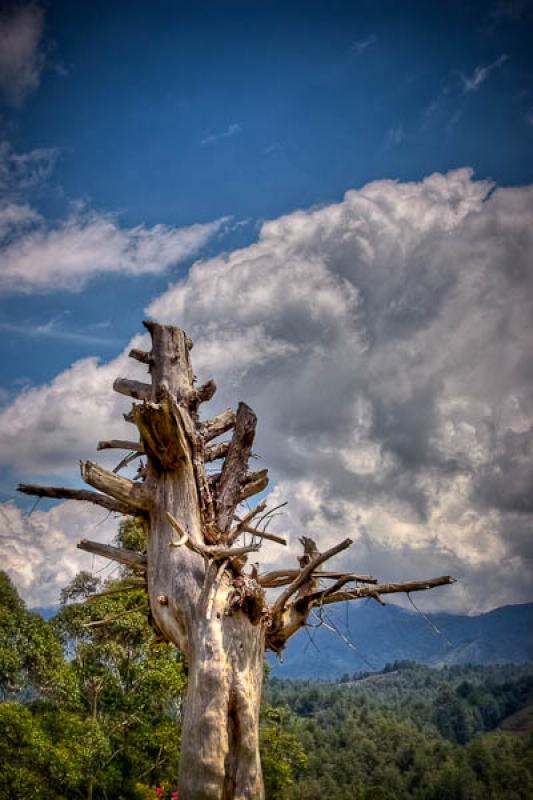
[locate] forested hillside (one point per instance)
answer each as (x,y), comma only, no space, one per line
(91,707)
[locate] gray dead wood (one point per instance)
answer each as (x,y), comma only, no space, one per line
(218,425)
(120,444)
(135,389)
(140,355)
(127,557)
(61,493)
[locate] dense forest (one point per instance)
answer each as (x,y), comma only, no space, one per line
(91,706)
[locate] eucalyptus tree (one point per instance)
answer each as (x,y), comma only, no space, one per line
(203,596)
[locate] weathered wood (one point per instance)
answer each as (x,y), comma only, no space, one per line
(204,393)
(135,389)
(272,537)
(120,444)
(62,493)
(140,355)
(255,482)
(278,578)
(245,521)
(171,368)
(214,451)
(127,557)
(162,433)
(122,489)
(307,573)
(383,588)
(218,425)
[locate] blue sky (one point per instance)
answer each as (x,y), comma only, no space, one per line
(140,137)
(180,113)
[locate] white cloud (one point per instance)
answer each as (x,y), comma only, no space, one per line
(231,130)
(39,553)
(47,429)
(38,256)
(383,342)
(67,255)
(21,60)
(471,83)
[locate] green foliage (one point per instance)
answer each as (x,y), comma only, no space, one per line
(47,753)
(282,754)
(93,710)
(31,657)
(398,735)
(131,535)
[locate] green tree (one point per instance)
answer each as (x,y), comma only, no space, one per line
(130,684)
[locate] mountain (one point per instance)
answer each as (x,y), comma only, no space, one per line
(370,636)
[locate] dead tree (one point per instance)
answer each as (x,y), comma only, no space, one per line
(203,598)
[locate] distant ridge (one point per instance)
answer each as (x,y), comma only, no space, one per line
(372,636)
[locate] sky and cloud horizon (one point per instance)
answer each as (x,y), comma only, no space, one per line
(364,282)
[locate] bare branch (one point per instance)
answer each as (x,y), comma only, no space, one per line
(272,537)
(125,461)
(214,451)
(242,523)
(135,389)
(128,557)
(218,553)
(218,425)
(120,444)
(204,393)
(121,489)
(60,493)
(371,591)
(141,355)
(255,482)
(277,578)
(209,551)
(307,573)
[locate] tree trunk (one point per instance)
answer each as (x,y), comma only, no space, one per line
(224,651)
(220,743)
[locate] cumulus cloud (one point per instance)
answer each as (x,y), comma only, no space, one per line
(384,342)
(46,429)
(21,59)
(39,553)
